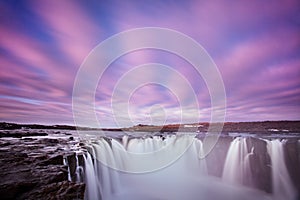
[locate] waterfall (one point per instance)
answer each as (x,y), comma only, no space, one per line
(283,187)
(77,173)
(79,170)
(170,167)
(65,162)
(92,186)
(237,166)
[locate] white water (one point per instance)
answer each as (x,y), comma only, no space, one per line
(92,185)
(237,166)
(282,184)
(114,171)
(79,170)
(66,163)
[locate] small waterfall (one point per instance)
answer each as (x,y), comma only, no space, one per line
(69,173)
(283,187)
(197,147)
(76,175)
(107,178)
(92,190)
(79,170)
(237,165)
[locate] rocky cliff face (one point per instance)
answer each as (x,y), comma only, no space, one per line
(34,169)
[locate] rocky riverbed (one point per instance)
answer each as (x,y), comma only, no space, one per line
(42,162)
(34,168)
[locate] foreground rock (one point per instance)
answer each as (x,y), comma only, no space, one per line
(21,133)
(34,169)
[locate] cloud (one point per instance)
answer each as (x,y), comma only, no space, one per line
(69,24)
(255,44)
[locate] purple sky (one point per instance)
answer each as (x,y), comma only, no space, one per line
(255,44)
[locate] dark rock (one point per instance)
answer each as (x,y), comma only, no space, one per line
(81,144)
(72,165)
(31,170)
(54,160)
(80,160)
(20,133)
(28,139)
(12,191)
(292,152)
(260,163)
(62,190)
(49,141)
(4,143)
(18,154)
(216,158)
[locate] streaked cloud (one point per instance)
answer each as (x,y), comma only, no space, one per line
(255,45)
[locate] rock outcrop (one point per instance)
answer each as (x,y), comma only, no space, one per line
(34,169)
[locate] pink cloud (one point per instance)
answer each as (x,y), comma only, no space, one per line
(27,51)
(72,28)
(254,43)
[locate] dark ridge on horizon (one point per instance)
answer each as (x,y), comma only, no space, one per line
(257,127)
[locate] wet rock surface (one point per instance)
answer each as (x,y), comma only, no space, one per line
(216,158)
(21,133)
(292,158)
(34,169)
(260,164)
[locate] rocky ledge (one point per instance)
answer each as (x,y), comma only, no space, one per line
(34,169)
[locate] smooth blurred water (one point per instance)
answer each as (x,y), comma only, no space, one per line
(187,177)
(241,166)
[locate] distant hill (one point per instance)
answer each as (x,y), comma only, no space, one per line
(239,127)
(13,126)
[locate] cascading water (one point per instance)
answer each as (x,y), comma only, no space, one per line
(283,187)
(92,184)
(66,163)
(79,170)
(77,174)
(110,167)
(237,166)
